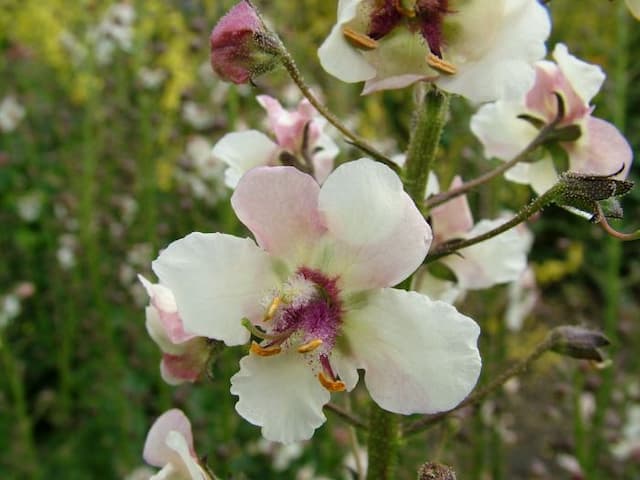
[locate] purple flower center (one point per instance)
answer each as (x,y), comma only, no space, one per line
(424,16)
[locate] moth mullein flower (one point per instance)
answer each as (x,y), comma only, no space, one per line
(241,46)
(600,149)
(184,355)
(501,259)
(481,49)
(169,446)
(314,293)
(300,140)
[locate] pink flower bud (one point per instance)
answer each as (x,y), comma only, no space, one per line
(241,46)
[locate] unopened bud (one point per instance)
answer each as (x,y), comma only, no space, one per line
(436,471)
(578,342)
(241,46)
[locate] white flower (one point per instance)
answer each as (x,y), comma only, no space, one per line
(481,49)
(500,259)
(600,149)
(629,445)
(299,140)
(11,113)
(169,445)
(315,292)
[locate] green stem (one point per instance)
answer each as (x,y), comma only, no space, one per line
(291,67)
(538,204)
(424,143)
(384,440)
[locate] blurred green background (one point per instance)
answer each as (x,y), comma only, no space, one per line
(108,163)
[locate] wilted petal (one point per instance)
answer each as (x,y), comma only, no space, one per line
(280,207)
(217,280)
(242,151)
(380,235)
(419,356)
(281,394)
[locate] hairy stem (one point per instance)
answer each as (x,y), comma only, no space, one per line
(384,439)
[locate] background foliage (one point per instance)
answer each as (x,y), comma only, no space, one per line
(105,169)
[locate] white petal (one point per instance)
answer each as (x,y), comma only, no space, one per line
(436,288)
(419,356)
(500,259)
(188,465)
(634,8)
(500,131)
(156,452)
(158,334)
(281,394)
(380,236)
(217,280)
(242,151)
(337,56)
(498,44)
(585,78)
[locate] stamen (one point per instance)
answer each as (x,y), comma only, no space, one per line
(441,65)
(271,311)
(310,346)
(264,352)
(331,385)
(404,10)
(359,40)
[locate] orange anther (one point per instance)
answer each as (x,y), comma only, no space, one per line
(331,385)
(264,352)
(441,65)
(359,40)
(310,346)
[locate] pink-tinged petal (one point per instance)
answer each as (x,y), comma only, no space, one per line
(280,207)
(419,356)
(502,134)
(585,78)
(188,467)
(187,366)
(156,452)
(379,236)
(323,159)
(337,56)
(602,150)
(452,219)
(242,151)
(281,394)
(217,280)
(163,301)
(158,334)
(500,259)
(288,127)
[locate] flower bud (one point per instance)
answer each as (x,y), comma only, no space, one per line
(578,342)
(241,46)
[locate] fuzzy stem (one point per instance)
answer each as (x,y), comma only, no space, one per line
(424,143)
(384,439)
(538,204)
(289,64)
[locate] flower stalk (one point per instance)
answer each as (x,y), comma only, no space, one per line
(425,139)
(384,440)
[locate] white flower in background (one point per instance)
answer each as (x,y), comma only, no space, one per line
(11,113)
(315,292)
(600,150)
(184,355)
(281,455)
(481,49)
(29,206)
(169,446)
(151,78)
(629,445)
(204,174)
(10,309)
(500,259)
(299,141)
(66,253)
(115,31)
(522,296)
(198,117)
